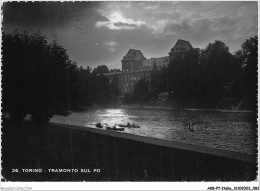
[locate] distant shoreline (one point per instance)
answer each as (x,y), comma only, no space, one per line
(220,110)
(186,109)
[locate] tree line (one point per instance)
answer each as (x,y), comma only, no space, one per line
(38,78)
(203,78)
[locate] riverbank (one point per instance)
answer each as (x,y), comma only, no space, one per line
(136,106)
(27,146)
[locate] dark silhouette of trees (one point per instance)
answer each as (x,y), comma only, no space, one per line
(40,79)
(154,80)
(158,80)
(102,91)
(36,77)
(114,70)
(99,85)
(216,69)
(14,79)
(114,87)
(183,77)
(201,78)
(140,93)
(141,88)
(101,69)
(92,88)
(246,81)
(84,98)
(162,80)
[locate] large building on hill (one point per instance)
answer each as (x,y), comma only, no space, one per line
(136,67)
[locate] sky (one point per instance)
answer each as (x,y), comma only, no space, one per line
(101,33)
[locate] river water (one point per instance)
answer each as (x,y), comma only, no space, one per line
(222,130)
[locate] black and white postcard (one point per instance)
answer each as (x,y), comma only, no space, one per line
(122,93)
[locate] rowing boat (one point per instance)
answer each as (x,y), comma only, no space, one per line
(128,125)
(115,128)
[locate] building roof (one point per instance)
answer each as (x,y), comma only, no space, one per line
(160,62)
(181,46)
(133,54)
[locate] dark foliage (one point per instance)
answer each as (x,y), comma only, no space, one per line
(141,88)
(159,79)
(183,74)
(114,70)
(114,87)
(102,69)
(203,78)
(140,93)
(246,79)
(40,79)
(34,76)
(129,99)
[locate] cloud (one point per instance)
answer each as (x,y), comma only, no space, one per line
(163,18)
(38,14)
(111,46)
(151,7)
(96,33)
(116,21)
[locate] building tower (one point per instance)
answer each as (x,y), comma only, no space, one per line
(179,49)
(132,60)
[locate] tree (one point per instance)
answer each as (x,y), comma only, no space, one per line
(114,70)
(101,69)
(14,75)
(154,80)
(246,60)
(114,87)
(216,59)
(162,80)
(182,76)
(191,75)
(216,68)
(102,90)
(141,88)
(84,98)
(36,76)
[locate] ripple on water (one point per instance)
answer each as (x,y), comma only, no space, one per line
(228,131)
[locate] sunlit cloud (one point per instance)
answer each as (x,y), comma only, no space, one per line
(116,21)
(96,33)
(157,18)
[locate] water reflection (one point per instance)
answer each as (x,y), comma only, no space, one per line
(114,116)
(235,132)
